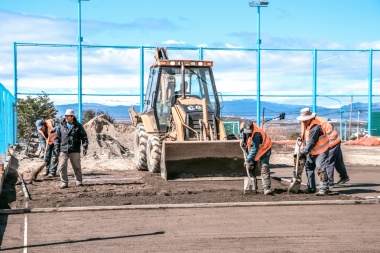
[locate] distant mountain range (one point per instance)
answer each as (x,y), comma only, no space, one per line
(245,108)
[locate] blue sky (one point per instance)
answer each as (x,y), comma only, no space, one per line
(321,24)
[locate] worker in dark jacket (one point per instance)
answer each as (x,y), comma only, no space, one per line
(315,143)
(258,145)
(69,136)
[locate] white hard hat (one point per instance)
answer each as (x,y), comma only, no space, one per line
(69,112)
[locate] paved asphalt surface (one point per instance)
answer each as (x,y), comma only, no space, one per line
(293,228)
(321,228)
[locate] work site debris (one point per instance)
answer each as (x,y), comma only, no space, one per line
(106,140)
(364,141)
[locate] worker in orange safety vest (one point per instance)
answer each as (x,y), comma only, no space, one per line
(315,143)
(258,147)
(46,135)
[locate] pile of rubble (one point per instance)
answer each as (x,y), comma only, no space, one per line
(107,140)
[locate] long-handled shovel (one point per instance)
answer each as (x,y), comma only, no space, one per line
(295,185)
(250,183)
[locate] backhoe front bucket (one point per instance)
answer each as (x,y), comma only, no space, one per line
(194,159)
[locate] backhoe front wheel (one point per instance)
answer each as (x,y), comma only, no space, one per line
(154,150)
(139,145)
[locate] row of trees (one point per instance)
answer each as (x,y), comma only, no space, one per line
(31,109)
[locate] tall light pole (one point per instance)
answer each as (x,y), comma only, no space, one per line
(258,5)
(340,113)
(80,39)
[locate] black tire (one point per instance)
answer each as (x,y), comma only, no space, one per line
(153,152)
(139,146)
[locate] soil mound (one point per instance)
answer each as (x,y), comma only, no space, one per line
(107,140)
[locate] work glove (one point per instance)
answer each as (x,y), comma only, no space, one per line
(303,153)
(300,156)
(54,160)
(84,151)
(247,165)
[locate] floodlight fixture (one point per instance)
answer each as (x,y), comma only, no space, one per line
(258,4)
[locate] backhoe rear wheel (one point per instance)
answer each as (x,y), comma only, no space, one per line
(139,145)
(154,150)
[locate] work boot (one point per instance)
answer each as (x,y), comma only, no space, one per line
(63,185)
(268,192)
(79,183)
(308,191)
(322,192)
(342,181)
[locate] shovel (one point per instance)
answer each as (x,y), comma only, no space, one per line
(295,185)
(250,183)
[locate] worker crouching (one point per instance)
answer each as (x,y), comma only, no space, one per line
(258,146)
(46,135)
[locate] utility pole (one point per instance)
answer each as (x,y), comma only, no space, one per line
(80,40)
(349,125)
(357,131)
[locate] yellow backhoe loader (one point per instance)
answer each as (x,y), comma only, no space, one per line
(179,132)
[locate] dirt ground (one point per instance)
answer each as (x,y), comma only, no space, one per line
(110,178)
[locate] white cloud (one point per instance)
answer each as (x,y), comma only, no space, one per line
(173,42)
(370,45)
(116,70)
(231,46)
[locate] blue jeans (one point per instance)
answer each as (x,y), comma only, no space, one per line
(51,168)
(42,140)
